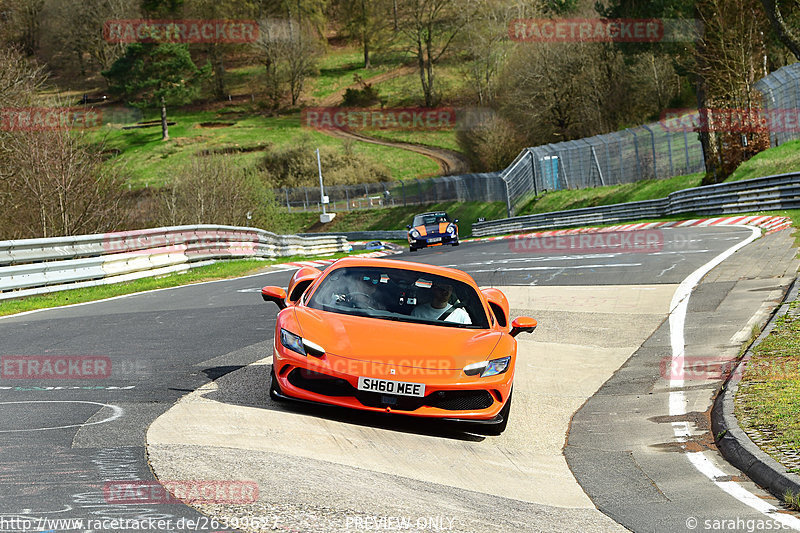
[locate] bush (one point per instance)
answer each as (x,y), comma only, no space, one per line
(490,146)
(216,190)
(296,166)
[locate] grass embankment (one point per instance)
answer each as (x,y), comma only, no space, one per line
(148,161)
(769,398)
(779,160)
(220,270)
(246,131)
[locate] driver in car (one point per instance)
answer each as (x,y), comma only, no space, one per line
(440,307)
(368,295)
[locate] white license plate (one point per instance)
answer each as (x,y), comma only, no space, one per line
(436,239)
(385,386)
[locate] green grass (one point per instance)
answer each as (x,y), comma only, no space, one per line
(338,68)
(778,160)
(407,90)
(150,162)
(612,194)
(436,138)
(769,398)
(219,270)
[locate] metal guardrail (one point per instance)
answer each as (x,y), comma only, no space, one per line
(36,266)
(759,194)
(386,235)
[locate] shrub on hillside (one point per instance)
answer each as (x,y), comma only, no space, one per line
(296,166)
(491,145)
(216,190)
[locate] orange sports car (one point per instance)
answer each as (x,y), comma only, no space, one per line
(396,337)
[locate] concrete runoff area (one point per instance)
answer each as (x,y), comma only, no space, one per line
(328,469)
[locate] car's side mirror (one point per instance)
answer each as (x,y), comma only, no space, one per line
(408,226)
(455,221)
(274,294)
(523,324)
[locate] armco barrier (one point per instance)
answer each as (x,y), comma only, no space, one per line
(36,266)
(386,235)
(759,194)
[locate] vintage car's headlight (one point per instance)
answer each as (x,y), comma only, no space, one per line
(298,344)
(414,234)
(488,368)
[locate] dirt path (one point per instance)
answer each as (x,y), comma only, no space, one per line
(336,97)
(449,161)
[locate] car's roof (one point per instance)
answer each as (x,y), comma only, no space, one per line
(405,265)
(431,213)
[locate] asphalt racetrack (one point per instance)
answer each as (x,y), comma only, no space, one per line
(591,444)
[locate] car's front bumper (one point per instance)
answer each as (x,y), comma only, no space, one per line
(449,394)
(433,240)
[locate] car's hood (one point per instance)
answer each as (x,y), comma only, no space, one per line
(401,343)
(433,229)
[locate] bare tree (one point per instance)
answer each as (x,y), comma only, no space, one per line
(215,190)
(60,185)
(289,55)
(783,16)
(730,59)
(429,28)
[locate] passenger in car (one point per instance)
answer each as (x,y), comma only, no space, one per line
(440,308)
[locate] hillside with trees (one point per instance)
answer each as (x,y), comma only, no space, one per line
(225,114)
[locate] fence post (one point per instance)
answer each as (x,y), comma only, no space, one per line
(669,152)
(686,149)
(403,187)
(655,156)
(509,212)
(533,173)
(305,204)
(288,205)
(347,197)
(636,150)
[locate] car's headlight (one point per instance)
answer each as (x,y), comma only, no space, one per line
(451,229)
(488,368)
(298,344)
(414,234)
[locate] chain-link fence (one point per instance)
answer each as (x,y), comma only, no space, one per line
(652,151)
(781,91)
(645,152)
(487,187)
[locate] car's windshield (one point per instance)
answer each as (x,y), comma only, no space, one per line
(429,219)
(398,294)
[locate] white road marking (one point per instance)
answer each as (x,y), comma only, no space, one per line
(116,413)
(677,398)
(561,267)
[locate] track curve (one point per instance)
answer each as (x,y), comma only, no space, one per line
(595,310)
